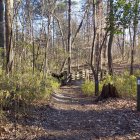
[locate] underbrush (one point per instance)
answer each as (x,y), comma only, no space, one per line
(21,89)
(125,84)
(88,87)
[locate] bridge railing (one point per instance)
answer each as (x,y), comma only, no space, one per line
(86,74)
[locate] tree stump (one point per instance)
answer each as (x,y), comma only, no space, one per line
(108,91)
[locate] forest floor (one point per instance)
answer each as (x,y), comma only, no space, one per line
(113,119)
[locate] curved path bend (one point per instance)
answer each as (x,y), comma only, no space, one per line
(110,120)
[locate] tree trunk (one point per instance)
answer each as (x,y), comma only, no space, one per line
(123,44)
(69,37)
(135,23)
(110,68)
(103,55)
(110,42)
(1,25)
(46,47)
(33,44)
(96,84)
(132,52)
(8,29)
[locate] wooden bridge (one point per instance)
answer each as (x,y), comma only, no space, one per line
(86,74)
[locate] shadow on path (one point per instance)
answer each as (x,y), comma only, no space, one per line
(72,124)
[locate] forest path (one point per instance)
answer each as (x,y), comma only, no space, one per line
(108,120)
(113,119)
(72,94)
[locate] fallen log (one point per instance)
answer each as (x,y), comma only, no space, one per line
(63,78)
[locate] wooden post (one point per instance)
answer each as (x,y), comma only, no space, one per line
(77,75)
(83,74)
(73,76)
(138,93)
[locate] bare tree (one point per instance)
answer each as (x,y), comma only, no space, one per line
(69,36)
(135,24)
(1,24)
(111,36)
(8,29)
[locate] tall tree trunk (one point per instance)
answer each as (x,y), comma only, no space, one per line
(47,45)
(135,23)
(123,44)
(28,17)
(33,44)
(53,30)
(103,55)
(96,63)
(110,42)
(94,34)
(8,29)
(69,36)
(94,69)
(1,25)
(132,52)
(98,46)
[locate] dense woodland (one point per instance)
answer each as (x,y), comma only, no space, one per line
(45,43)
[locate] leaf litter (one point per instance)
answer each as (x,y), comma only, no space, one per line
(107,120)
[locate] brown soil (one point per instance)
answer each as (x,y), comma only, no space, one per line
(108,120)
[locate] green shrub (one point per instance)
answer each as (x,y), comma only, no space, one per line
(48,86)
(88,87)
(4,98)
(125,84)
(108,79)
(137,73)
(25,88)
(53,82)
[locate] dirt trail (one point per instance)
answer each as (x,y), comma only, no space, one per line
(109,120)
